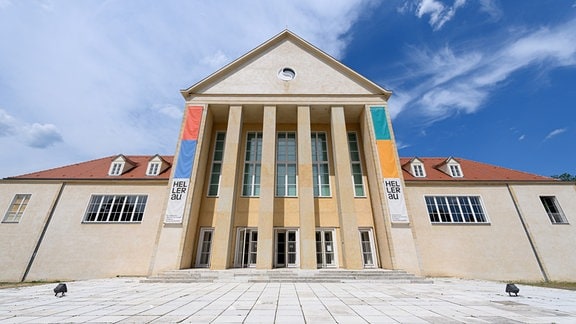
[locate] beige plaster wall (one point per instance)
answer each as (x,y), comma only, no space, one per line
(499,250)
(554,243)
(18,240)
(75,250)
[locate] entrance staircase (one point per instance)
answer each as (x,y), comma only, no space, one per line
(286,276)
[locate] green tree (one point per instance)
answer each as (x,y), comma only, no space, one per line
(565,177)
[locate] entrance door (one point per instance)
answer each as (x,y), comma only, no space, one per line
(246,248)
(367,248)
(204,248)
(325,254)
(286,248)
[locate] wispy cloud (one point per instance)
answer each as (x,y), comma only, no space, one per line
(438,12)
(554,133)
(461,81)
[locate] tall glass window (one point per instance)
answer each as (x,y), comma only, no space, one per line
(320,170)
(252,165)
(356,165)
(286,165)
(217,158)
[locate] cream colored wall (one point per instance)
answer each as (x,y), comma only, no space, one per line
(18,240)
(554,243)
(499,250)
(313,76)
(286,210)
(75,250)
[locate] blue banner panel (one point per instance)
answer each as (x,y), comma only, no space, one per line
(185,159)
(380,123)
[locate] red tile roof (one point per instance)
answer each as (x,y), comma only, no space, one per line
(471,170)
(98,169)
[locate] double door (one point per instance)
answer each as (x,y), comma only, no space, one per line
(246,248)
(286,248)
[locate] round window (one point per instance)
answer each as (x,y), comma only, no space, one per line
(286,74)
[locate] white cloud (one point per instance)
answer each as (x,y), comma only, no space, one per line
(41,135)
(451,82)
(108,73)
(439,13)
(33,135)
(522,137)
(7,124)
(554,133)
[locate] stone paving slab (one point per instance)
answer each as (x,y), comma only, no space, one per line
(126,300)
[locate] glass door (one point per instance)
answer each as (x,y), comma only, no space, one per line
(246,248)
(204,248)
(367,248)
(286,248)
(325,253)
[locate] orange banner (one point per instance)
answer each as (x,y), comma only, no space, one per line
(387,154)
(193,120)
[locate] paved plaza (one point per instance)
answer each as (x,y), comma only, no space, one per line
(126,300)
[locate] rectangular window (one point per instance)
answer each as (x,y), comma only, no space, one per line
(320,171)
(17,208)
(455,170)
(116,168)
(253,156)
(356,165)
(418,170)
(217,158)
(153,169)
(553,210)
(115,209)
(286,165)
(455,209)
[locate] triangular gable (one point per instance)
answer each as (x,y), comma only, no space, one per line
(257,72)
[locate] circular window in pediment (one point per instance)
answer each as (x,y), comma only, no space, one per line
(286,74)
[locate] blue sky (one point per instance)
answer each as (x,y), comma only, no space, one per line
(488,80)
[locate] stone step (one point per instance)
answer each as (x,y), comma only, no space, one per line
(286,276)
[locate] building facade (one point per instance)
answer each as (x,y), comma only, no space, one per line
(286,159)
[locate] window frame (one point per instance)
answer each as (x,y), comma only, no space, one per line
(215,163)
(283,160)
(101,211)
(19,212)
(473,212)
(153,168)
(455,170)
(116,168)
(551,214)
(356,162)
(418,170)
(252,166)
(317,183)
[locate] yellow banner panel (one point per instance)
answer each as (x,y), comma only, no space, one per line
(387,154)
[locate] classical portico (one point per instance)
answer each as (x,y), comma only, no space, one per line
(287,168)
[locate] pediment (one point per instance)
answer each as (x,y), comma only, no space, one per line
(259,72)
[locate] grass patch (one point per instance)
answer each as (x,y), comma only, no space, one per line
(552,284)
(4,285)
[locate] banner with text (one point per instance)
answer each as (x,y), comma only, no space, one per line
(177,201)
(396,202)
(184,165)
(387,156)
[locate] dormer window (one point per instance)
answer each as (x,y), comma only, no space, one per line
(415,167)
(153,169)
(418,170)
(156,165)
(455,170)
(116,168)
(120,165)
